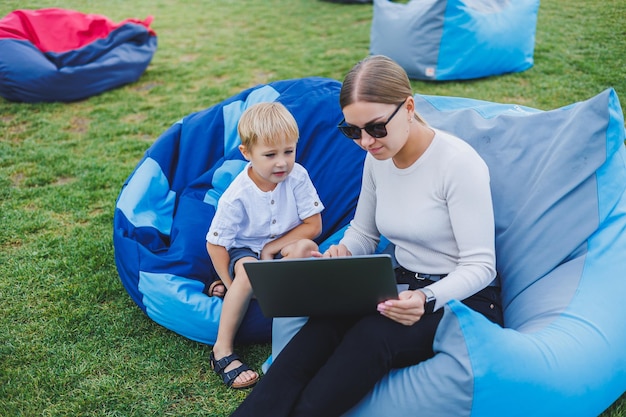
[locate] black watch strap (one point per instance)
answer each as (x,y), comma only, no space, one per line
(429,303)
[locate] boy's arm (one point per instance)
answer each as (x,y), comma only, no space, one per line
(220,259)
(310,228)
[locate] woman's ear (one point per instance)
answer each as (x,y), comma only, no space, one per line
(244,151)
(410,106)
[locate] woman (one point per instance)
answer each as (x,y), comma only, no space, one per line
(428,193)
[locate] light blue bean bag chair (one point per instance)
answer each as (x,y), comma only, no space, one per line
(455,39)
(558,181)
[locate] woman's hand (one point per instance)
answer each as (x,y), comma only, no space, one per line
(407,309)
(333,251)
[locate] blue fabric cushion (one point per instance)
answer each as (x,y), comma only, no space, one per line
(456,39)
(165,207)
(558,182)
(558,185)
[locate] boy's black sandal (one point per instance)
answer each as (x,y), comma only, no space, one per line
(229,377)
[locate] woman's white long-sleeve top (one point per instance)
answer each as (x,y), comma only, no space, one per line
(438,212)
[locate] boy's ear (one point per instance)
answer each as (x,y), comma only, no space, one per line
(244,151)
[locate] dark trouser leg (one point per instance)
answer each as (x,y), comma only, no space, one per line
(322,373)
(369,350)
(488,303)
(299,361)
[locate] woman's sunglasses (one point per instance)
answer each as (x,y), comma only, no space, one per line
(375,130)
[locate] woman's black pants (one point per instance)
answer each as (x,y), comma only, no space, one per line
(333,362)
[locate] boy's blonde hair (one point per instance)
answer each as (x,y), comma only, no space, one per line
(267,123)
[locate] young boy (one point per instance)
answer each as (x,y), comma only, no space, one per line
(271,210)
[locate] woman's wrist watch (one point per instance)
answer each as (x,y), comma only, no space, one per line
(429,302)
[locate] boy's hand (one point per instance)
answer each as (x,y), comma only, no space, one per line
(217,289)
(267,253)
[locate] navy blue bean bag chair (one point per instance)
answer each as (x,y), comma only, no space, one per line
(559,192)
(63,55)
(165,208)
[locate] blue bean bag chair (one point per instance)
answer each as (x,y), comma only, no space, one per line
(165,207)
(64,55)
(558,183)
(455,39)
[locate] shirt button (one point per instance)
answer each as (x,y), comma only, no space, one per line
(272,202)
(316,204)
(274,221)
(214,233)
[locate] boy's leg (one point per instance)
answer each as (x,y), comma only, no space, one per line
(234,308)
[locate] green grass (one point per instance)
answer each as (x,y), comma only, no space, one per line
(73,342)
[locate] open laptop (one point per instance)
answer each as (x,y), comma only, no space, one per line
(322,286)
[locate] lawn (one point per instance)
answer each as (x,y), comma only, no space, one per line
(73,342)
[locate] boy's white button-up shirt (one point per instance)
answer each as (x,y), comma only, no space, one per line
(248,217)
